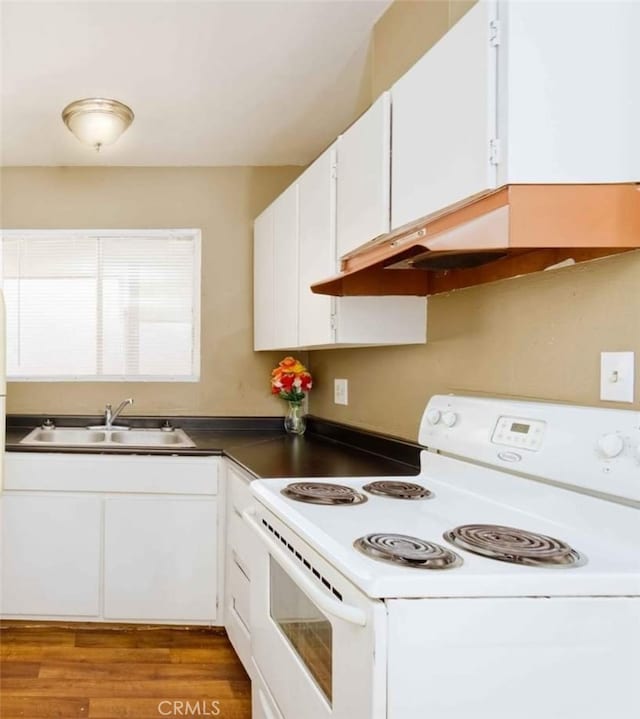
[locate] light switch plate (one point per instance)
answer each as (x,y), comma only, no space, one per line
(616,376)
(341,391)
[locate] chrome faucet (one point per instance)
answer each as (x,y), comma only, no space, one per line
(110,417)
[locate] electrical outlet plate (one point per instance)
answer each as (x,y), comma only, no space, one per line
(616,376)
(340,391)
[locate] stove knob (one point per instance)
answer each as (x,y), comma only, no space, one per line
(611,445)
(433,416)
(449,418)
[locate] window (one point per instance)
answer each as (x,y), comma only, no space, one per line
(102,305)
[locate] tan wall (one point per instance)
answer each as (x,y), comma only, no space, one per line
(539,336)
(220,201)
(405,32)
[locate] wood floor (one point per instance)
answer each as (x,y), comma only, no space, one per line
(105,672)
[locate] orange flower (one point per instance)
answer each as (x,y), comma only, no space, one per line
(291,379)
(290,364)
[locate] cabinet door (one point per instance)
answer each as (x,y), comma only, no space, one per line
(317,246)
(160,560)
(263,300)
(569,92)
(381,320)
(50,555)
(240,550)
(285,268)
(444,117)
(364,177)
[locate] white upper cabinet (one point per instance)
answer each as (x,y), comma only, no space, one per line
(317,248)
(569,108)
(285,268)
(364,181)
(275,274)
(263,288)
(518,93)
(295,246)
(444,120)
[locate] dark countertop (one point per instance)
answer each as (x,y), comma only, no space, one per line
(326,450)
(312,456)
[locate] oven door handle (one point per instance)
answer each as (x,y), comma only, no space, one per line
(353,615)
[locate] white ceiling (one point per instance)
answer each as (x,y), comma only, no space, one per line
(211,83)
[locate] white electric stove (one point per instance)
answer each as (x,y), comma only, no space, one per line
(502,581)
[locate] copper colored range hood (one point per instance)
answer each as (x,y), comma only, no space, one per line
(515,230)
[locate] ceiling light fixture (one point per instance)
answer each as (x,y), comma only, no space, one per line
(97,121)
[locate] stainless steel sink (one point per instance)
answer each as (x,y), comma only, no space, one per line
(81,437)
(152,438)
(67,435)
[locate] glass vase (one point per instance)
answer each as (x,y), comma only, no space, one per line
(294,421)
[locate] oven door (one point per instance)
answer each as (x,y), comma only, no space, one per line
(318,642)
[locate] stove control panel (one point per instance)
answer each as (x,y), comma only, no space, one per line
(518,432)
(593,448)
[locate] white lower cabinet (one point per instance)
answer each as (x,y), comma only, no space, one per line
(51,555)
(160,559)
(140,544)
(239,554)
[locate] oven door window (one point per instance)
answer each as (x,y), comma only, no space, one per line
(307,629)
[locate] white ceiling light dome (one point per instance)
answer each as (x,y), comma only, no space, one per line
(97,121)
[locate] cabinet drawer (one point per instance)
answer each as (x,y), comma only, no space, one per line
(240,542)
(239,589)
(237,612)
(141,474)
(240,496)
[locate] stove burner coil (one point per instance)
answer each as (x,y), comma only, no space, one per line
(518,546)
(323,493)
(398,489)
(407,551)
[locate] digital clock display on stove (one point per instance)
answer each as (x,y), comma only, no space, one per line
(519,432)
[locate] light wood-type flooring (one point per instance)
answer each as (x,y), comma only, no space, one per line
(100,671)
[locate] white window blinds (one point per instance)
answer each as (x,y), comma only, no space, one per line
(102,305)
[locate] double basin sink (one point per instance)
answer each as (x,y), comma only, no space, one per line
(81,437)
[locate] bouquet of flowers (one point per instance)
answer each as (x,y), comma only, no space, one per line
(290,380)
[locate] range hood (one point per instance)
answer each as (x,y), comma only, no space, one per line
(515,230)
